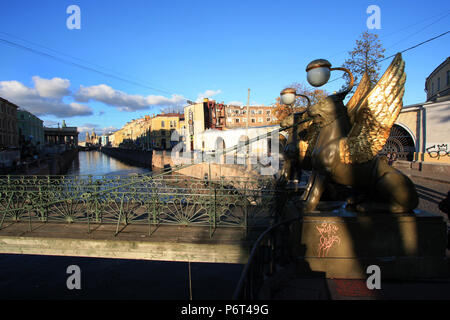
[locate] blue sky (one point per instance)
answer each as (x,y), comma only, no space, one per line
(194,49)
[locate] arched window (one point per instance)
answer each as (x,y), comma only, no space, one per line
(401,142)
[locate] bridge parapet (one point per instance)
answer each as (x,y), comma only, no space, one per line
(137,199)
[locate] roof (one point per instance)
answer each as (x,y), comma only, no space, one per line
(173,114)
(4,100)
(438,67)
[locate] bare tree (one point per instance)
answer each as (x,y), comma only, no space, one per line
(364,58)
(280,111)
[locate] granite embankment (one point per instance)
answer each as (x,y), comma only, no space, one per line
(134,157)
(52,164)
(162,160)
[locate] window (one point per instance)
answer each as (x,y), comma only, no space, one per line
(439,84)
(244,120)
(259,111)
(162,124)
(229,120)
(237,120)
(268,119)
(253,111)
(432,87)
(260,120)
(268,112)
(448,77)
(253,120)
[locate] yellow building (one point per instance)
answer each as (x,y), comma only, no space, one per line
(162,127)
(132,131)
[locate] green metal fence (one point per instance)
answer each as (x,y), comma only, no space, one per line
(137,199)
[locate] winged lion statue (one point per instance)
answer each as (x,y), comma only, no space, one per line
(341,144)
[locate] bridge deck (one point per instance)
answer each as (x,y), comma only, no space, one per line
(166,243)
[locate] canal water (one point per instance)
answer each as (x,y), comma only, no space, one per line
(44,277)
(97,163)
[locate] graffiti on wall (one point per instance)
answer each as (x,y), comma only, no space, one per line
(328,237)
(437,151)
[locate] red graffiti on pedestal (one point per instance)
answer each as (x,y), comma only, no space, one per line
(328,237)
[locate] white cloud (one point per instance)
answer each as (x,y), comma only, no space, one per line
(47,100)
(207,94)
(51,88)
(124,101)
(50,123)
(89,127)
(236,103)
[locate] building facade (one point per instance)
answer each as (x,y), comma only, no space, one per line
(162,127)
(30,128)
(196,117)
(9,135)
(421,132)
(437,84)
(131,132)
(256,116)
(91,139)
(61,136)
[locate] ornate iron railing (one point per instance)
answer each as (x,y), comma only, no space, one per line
(137,199)
(273,249)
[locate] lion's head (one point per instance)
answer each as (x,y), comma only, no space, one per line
(328,109)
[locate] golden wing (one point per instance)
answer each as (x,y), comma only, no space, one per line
(360,93)
(375,115)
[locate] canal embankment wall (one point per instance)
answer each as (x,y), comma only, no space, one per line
(50,164)
(60,163)
(138,158)
(162,160)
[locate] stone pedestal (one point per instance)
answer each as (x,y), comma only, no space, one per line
(342,244)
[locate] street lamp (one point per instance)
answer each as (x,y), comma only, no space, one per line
(289,95)
(318,73)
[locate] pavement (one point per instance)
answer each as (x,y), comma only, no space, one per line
(355,289)
(287,285)
(438,177)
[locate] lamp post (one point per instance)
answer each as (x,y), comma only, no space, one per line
(318,73)
(289,95)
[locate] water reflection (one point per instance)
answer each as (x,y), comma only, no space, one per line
(97,163)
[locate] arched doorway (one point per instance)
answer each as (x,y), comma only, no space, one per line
(219,148)
(243,150)
(401,142)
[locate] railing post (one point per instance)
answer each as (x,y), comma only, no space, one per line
(214,213)
(246,214)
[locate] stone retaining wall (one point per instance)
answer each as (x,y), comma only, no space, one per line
(134,157)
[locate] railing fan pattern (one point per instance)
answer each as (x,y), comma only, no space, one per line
(137,199)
